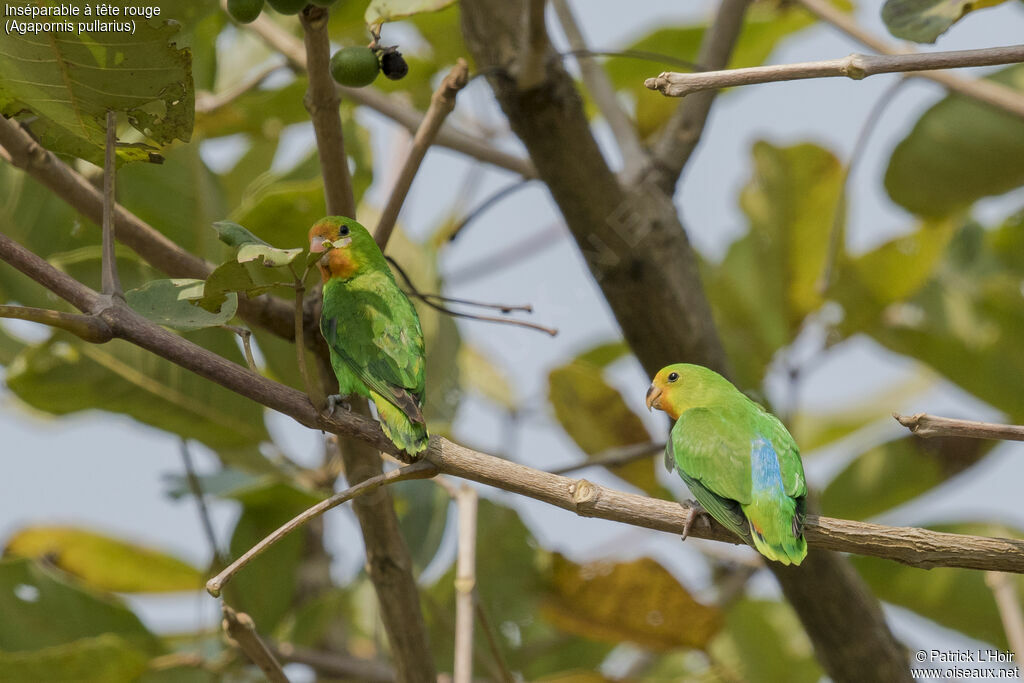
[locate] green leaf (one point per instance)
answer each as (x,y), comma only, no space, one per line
(604,355)
(770,279)
(896,472)
(281,211)
(70,80)
(955,598)
(959,151)
(105,563)
(925,20)
(638,601)
(257,112)
(251,248)
(64,375)
(169,303)
(763,642)
(380,11)
(228,279)
(422,509)
(100,659)
(43,608)
(596,417)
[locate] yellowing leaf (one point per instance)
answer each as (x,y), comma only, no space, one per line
(925,20)
(103,562)
(481,375)
(100,659)
(638,601)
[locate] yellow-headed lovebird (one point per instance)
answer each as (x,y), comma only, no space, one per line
(372,330)
(737,459)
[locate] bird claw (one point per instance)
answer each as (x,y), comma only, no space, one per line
(335,400)
(694,512)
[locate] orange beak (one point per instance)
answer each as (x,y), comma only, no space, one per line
(653,398)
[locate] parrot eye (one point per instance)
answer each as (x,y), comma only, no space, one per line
(673,376)
(343,230)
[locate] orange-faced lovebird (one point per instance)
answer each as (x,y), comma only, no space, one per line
(737,459)
(372,330)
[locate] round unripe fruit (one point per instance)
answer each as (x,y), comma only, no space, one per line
(393,65)
(245,11)
(355,66)
(288,6)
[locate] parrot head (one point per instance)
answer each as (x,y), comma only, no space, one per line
(679,387)
(347,247)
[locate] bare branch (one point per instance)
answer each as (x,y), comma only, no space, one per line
(208,102)
(927,426)
(419,470)
(854,66)
(982,90)
(442,102)
(278,38)
(322,103)
(486,204)
(465,583)
(86,327)
(534,52)
(111,283)
(196,487)
(634,155)
(679,138)
(241,631)
(911,546)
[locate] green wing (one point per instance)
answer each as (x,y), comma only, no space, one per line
(373,328)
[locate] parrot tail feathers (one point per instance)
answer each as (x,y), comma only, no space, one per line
(782,541)
(409,436)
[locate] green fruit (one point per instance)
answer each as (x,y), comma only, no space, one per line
(355,66)
(288,6)
(245,11)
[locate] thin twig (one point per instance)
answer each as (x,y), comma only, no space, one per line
(465,583)
(634,155)
(855,66)
(534,41)
(927,426)
(111,282)
(492,642)
(334,665)
(241,631)
(982,90)
(486,204)
(86,327)
(504,308)
(835,240)
(281,40)
(246,336)
(522,250)
(459,314)
(196,487)
(419,470)
(322,103)
(1004,590)
(442,102)
(911,546)
(614,457)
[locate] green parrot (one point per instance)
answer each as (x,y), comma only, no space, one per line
(737,459)
(372,330)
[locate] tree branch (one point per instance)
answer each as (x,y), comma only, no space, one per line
(679,138)
(241,630)
(854,66)
(927,426)
(110,281)
(534,40)
(285,43)
(1004,591)
(914,547)
(442,102)
(86,327)
(465,584)
(634,155)
(419,470)
(322,103)
(989,92)
(334,665)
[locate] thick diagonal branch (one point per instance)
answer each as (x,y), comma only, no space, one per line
(927,426)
